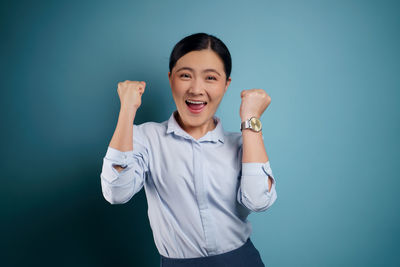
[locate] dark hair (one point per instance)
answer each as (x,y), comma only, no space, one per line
(200,41)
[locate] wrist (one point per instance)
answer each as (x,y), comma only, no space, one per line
(131,109)
(246,117)
(251,134)
(251,122)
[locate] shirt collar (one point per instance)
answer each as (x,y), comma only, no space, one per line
(215,135)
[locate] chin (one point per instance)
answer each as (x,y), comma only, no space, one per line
(193,119)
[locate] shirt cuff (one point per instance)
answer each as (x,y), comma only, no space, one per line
(258,169)
(119,157)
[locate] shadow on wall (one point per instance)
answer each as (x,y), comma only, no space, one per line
(53,210)
(78,227)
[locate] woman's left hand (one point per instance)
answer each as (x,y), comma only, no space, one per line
(254,103)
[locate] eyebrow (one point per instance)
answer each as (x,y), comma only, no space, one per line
(206,70)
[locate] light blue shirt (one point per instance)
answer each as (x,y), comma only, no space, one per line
(199,192)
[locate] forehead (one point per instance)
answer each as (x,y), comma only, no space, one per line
(202,59)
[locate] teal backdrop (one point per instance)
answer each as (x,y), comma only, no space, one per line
(331,130)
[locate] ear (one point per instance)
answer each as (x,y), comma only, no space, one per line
(228,82)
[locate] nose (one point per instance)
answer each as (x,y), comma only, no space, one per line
(197,87)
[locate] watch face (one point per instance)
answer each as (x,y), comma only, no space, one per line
(255,124)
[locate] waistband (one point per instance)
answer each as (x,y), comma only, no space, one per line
(240,256)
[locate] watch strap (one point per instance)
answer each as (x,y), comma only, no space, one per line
(245,125)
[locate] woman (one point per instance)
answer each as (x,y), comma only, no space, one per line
(201,182)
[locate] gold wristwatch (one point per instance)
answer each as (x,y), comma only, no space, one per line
(253,124)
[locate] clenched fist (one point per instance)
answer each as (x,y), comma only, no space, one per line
(130,94)
(254,103)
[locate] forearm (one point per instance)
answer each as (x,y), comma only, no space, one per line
(254,149)
(122,138)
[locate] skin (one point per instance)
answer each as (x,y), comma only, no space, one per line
(198,84)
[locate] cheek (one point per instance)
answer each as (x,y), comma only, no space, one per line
(217,92)
(178,88)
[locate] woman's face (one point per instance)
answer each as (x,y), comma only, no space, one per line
(198,76)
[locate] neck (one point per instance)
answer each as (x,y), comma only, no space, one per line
(196,131)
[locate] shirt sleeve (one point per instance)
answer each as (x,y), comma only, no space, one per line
(120,187)
(253,191)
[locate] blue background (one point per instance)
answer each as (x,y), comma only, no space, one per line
(331,130)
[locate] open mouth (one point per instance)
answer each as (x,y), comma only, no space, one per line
(195,106)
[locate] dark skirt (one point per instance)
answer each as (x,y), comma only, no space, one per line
(245,256)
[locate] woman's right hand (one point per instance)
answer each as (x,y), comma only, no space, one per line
(130,93)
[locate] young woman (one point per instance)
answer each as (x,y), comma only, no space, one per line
(201,182)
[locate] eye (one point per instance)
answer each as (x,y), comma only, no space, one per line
(212,77)
(184,75)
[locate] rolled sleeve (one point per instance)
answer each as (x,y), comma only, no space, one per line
(120,187)
(253,192)
(115,157)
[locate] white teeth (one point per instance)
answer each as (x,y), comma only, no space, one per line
(195,102)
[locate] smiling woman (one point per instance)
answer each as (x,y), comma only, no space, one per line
(198,81)
(201,182)
(200,67)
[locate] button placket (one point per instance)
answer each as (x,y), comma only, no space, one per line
(201,195)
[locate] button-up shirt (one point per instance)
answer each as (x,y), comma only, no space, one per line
(199,193)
